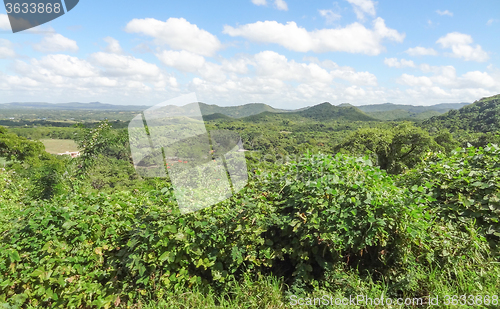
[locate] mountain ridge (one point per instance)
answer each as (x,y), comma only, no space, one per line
(385,111)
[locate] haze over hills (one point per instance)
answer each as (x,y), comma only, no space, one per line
(386,111)
(71,106)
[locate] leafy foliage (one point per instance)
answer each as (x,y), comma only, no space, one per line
(394,150)
(481,116)
(464,186)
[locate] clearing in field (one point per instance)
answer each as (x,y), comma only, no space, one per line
(56,146)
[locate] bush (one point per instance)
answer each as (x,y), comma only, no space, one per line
(464,187)
(306,222)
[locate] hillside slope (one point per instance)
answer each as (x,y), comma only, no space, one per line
(481,116)
(326,111)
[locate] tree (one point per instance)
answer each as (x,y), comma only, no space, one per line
(18,148)
(394,150)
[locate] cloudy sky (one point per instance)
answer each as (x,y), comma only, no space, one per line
(286,53)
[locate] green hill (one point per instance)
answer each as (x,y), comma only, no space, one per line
(238,111)
(326,111)
(389,111)
(481,116)
(215,116)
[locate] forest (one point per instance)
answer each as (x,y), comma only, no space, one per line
(339,202)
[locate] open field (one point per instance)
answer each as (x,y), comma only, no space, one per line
(59,145)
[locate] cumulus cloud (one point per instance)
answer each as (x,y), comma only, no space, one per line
(273,65)
(182,60)
(178,33)
(421,51)
(6,49)
(259,2)
(446,85)
(354,38)
(395,63)
(362,7)
(103,77)
(4,22)
(412,80)
(65,65)
(445,12)
(113,45)
(460,45)
(54,43)
(120,65)
(271,77)
(446,77)
(479,79)
(329,15)
(281,5)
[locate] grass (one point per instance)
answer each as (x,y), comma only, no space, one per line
(56,146)
(268,292)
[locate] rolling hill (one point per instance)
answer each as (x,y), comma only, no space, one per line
(327,111)
(387,111)
(481,116)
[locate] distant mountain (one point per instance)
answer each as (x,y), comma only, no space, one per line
(206,109)
(327,111)
(71,106)
(481,116)
(239,111)
(389,111)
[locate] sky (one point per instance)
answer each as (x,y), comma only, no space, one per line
(285,53)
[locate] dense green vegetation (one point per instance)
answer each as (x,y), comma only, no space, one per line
(337,204)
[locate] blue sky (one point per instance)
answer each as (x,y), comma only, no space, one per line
(284,53)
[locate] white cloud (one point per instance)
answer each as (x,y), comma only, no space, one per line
(6,49)
(491,21)
(238,65)
(460,45)
(355,78)
(329,15)
(444,82)
(362,7)
(354,38)
(445,12)
(104,77)
(113,46)
(412,80)
(54,43)
(182,60)
(421,51)
(259,2)
(4,22)
(479,79)
(120,65)
(355,91)
(178,33)
(281,5)
(65,65)
(395,63)
(270,64)
(274,78)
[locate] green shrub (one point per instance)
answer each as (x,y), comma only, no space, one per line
(335,210)
(465,187)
